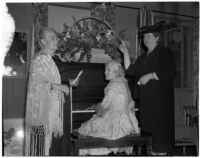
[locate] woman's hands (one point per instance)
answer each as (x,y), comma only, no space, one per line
(145,78)
(60,87)
(100,110)
(123,48)
(74,82)
(57,134)
(93,107)
(125,53)
(64,88)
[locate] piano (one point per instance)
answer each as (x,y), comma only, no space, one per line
(90,91)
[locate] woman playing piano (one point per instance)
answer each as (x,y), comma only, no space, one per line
(115,115)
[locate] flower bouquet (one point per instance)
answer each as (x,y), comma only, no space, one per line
(86,34)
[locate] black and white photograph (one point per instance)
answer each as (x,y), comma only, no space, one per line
(100,78)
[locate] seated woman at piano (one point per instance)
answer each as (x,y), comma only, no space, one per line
(115,115)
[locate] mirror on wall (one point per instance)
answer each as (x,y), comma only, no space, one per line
(15,61)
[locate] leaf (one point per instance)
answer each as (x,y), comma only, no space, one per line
(122,31)
(91,29)
(66,27)
(85,26)
(89,55)
(74,19)
(82,56)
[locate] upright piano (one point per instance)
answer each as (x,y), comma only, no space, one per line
(90,91)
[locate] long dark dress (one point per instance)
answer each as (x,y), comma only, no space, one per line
(156,98)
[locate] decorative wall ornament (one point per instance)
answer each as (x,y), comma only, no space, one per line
(86,34)
(176,36)
(145,17)
(90,33)
(104,12)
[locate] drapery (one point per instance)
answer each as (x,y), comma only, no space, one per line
(40,19)
(196,62)
(144,18)
(40,13)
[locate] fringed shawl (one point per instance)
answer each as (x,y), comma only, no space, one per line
(44,106)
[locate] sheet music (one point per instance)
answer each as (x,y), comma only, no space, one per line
(77,77)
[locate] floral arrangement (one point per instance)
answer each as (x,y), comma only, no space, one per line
(88,33)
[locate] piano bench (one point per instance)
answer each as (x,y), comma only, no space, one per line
(88,142)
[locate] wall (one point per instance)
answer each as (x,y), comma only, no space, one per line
(65,16)
(184,8)
(183,97)
(127,19)
(14,88)
(126,15)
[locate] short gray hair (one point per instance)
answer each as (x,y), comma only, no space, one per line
(116,67)
(42,32)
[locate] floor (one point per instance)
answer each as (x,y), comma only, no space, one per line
(190,151)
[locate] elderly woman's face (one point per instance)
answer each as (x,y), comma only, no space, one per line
(150,40)
(51,40)
(109,73)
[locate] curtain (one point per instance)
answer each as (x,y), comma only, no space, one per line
(144,18)
(196,62)
(40,13)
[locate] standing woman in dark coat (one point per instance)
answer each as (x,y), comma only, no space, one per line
(154,72)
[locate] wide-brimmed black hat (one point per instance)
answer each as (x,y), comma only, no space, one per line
(157,27)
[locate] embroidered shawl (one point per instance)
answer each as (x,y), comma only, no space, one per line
(44,106)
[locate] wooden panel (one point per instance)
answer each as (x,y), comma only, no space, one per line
(14,97)
(183,97)
(83,103)
(89,91)
(92,82)
(79,118)
(14,89)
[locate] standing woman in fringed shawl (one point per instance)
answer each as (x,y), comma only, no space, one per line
(45,98)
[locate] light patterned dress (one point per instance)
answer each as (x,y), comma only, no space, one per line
(118,121)
(44,106)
